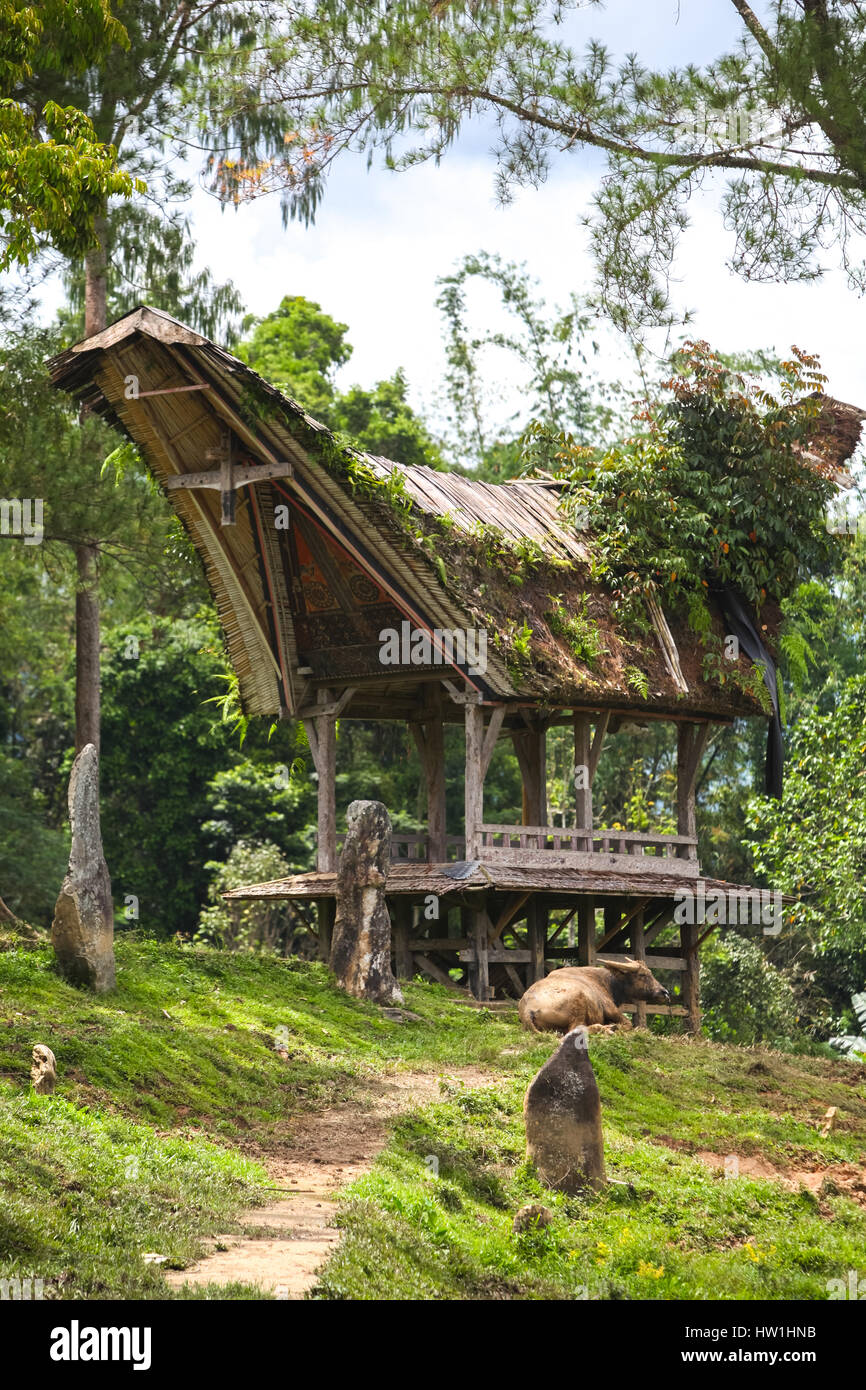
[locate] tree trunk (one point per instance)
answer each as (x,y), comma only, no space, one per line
(86,555)
(95,281)
(87,649)
(83,927)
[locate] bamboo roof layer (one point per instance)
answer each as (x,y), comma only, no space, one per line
(362,525)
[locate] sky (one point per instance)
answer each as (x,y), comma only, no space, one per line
(381,239)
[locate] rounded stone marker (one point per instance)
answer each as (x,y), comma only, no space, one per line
(562,1115)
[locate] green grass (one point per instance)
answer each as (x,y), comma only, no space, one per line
(171,1094)
(668,1228)
(162,1083)
(85,1194)
(212,1062)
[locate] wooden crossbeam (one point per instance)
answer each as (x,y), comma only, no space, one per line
(508,914)
(563,924)
(621,925)
(241,475)
(432,969)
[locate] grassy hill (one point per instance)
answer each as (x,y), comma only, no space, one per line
(172,1095)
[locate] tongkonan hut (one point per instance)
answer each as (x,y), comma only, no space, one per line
(312,551)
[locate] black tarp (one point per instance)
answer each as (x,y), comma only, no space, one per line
(741,624)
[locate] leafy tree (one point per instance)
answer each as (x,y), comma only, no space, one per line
(778,122)
(813,845)
(716,490)
(259,924)
(548,351)
(744,998)
(144,561)
(56,170)
(132,85)
(381,421)
(299,349)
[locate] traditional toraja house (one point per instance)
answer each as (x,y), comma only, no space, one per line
(352,588)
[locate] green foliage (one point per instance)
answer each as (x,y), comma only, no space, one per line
(299,349)
(638,681)
(381,421)
(56,172)
(580,631)
(852,1044)
(774,124)
(713,493)
(261,798)
(744,999)
(813,844)
(159,747)
(33,853)
(256,925)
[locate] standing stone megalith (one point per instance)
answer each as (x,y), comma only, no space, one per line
(361,941)
(562,1114)
(82,932)
(43,1072)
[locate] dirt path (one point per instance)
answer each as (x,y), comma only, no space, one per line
(293,1236)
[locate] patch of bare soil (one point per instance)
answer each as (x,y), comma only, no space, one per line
(287,1242)
(849,1179)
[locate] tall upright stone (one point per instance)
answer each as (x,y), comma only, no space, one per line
(82,932)
(361,941)
(562,1115)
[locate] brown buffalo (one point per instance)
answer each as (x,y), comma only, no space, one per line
(588,995)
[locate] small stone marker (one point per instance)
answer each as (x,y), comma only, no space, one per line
(361,942)
(562,1114)
(82,932)
(43,1072)
(531,1218)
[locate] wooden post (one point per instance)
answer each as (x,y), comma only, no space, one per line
(691,742)
(481,934)
(325,912)
(691,979)
(480,743)
(586,756)
(401,917)
(536,934)
(638,950)
(322,738)
(582,776)
(586,932)
(474,781)
(530,746)
(429,738)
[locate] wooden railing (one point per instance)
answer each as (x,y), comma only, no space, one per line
(627,850)
(413,847)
